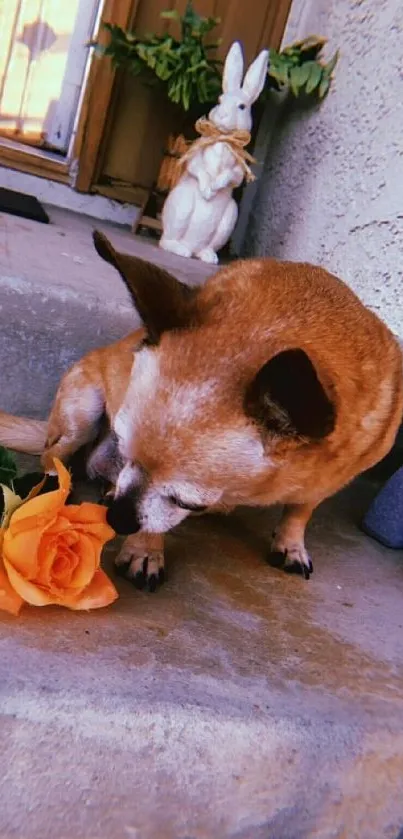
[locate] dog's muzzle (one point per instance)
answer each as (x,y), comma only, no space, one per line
(122,516)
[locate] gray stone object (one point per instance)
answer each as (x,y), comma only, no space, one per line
(384,519)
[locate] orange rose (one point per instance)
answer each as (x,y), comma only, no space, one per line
(51,552)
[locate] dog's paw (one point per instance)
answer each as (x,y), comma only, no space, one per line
(291,556)
(144,569)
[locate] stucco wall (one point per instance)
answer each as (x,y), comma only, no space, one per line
(331,189)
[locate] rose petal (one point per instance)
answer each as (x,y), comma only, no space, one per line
(88,552)
(59,524)
(48,553)
(30,523)
(26,543)
(28,591)
(42,533)
(63,569)
(49,503)
(21,551)
(100,592)
(91,518)
(10,601)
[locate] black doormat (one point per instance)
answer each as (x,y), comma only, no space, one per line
(19,204)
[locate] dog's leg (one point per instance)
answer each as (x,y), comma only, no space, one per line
(74,418)
(103,461)
(141,560)
(288,548)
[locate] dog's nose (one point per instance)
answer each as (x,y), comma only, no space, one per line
(121,515)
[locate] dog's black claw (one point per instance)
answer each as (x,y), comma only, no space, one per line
(299,568)
(293,568)
(122,569)
(139,580)
(152,582)
(276,559)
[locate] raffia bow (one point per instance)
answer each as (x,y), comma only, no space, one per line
(211,134)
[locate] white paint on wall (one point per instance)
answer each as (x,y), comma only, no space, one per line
(331,189)
(61,195)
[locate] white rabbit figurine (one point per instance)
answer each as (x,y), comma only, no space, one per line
(200,214)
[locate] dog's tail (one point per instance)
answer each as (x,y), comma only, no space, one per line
(22,435)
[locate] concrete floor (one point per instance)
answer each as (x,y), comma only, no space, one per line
(60,256)
(235,703)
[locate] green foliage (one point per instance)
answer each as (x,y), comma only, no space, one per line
(192,78)
(8,467)
(184,67)
(301,69)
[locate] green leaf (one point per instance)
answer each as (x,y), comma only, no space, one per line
(8,467)
(197,78)
(279,70)
(323,87)
(163,72)
(298,77)
(329,67)
(171,14)
(315,75)
(186,87)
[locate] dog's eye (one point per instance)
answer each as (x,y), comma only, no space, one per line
(241,107)
(193,508)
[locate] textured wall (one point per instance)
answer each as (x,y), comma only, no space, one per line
(331,190)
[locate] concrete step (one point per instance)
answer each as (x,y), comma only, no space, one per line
(58,300)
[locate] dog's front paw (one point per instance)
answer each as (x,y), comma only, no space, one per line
(141,562)
(291,556)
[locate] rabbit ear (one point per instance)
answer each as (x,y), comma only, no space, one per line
(256,77)
(233,69)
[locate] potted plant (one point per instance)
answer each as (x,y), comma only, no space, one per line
(300,70)
(183,67)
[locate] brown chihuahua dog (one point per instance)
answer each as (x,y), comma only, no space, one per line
(270,384)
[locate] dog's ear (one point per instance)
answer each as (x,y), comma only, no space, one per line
(162,302)
(287,398)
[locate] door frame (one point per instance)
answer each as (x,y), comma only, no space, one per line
(97,106)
